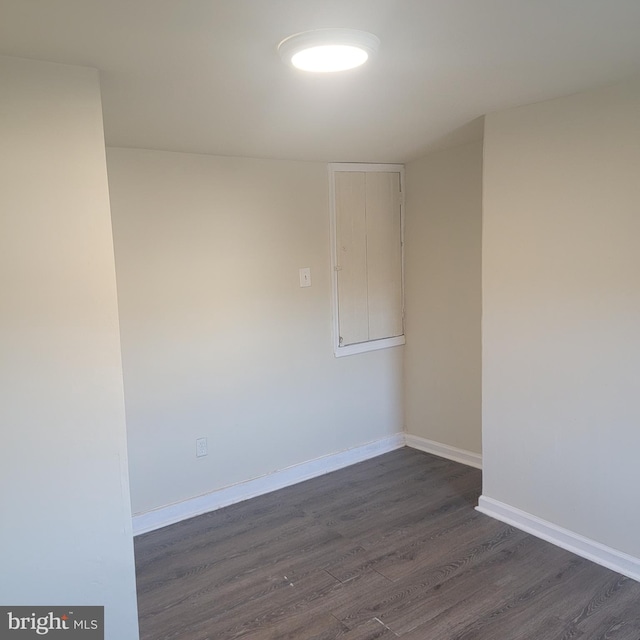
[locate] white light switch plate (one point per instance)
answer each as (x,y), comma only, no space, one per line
(305,277)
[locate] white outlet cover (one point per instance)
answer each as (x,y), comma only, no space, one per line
(201,447)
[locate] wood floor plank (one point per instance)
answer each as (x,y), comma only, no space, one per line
(516,615)
(388,548)
(398,545)
(422,595)
(604,604)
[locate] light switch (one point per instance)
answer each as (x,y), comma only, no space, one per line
(305,277)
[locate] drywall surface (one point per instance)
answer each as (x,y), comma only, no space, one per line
(443,236)
(219,340)
(66,518)
(561,311)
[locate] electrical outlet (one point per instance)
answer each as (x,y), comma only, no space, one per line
(201,447)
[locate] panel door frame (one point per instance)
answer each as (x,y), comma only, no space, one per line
(370,345)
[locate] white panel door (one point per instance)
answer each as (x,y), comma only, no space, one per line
(351,257)
(384,255)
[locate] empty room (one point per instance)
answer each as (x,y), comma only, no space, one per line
(319,319)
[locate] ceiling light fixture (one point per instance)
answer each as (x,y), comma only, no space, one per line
(326,50)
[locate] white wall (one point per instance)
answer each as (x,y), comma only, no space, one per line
(443,237)
(218,338)
(561,300)
(66,519)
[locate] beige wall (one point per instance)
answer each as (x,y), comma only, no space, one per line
(218,338)
(561,300)
(443,230)
(66,518)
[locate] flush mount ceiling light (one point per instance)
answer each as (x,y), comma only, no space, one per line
(326,50)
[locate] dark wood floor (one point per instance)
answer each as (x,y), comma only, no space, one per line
(388,548)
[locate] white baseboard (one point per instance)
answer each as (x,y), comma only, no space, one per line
(158,518)
(164,516)
(585,547)
(444,451)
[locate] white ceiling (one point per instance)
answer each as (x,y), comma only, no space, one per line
(204,76)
